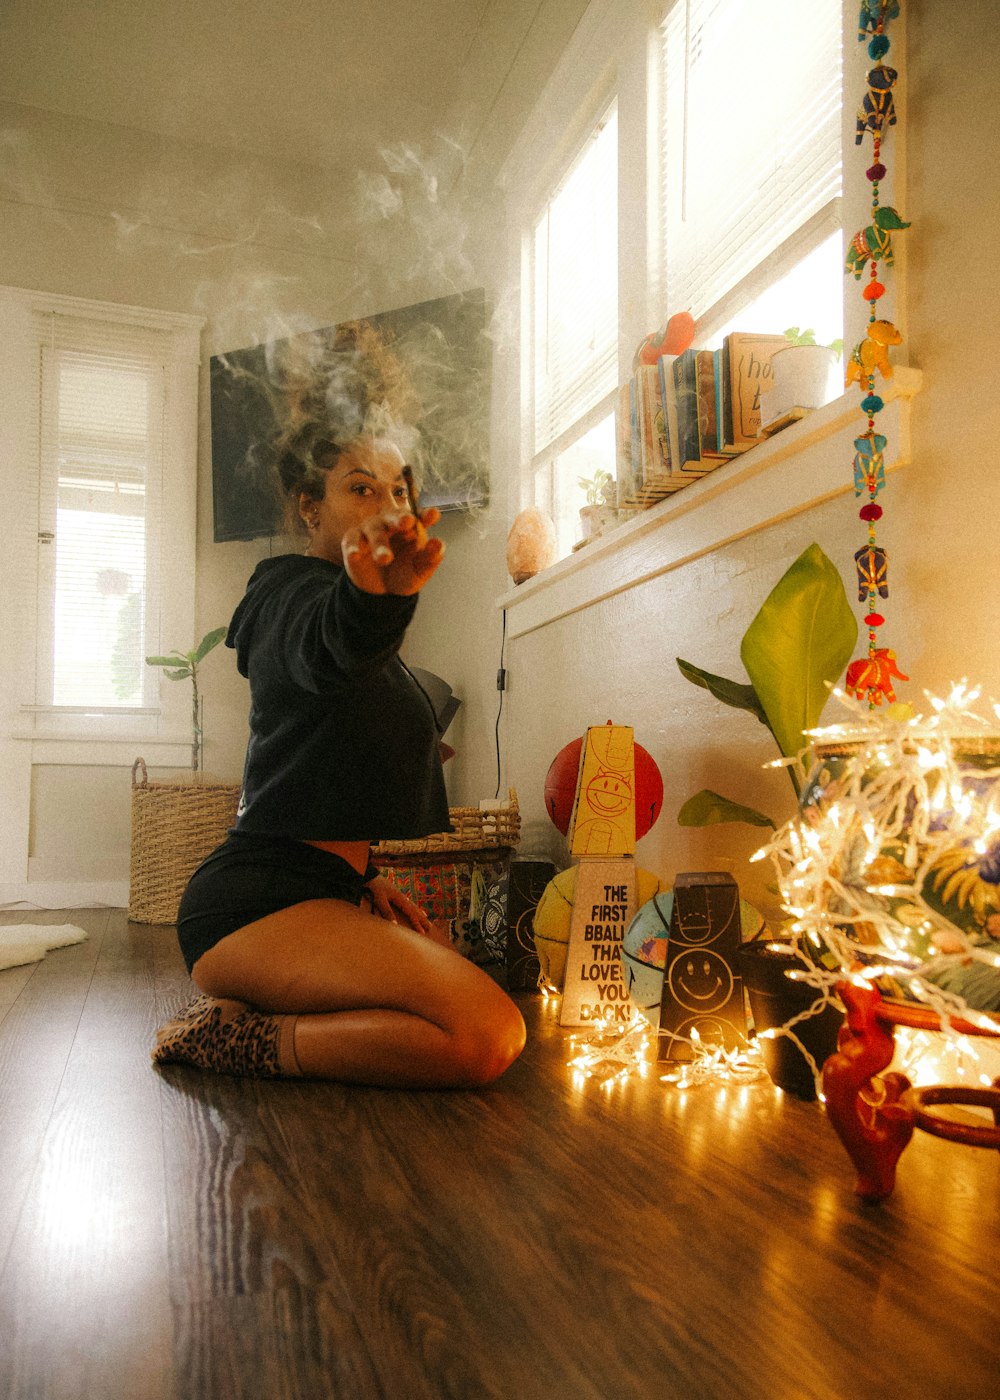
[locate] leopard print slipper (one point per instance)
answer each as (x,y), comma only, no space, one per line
(228,1037)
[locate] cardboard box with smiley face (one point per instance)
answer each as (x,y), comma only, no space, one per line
(702,988)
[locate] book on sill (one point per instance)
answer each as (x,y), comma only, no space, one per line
(630,450)
(634,428)
(708,378)
(655,459)
(673,421)
(643,456)
(690,389)
(673,384)
(747,366)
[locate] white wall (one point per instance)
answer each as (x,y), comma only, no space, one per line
(258,250)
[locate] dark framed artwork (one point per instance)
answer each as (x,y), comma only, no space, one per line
(444,348)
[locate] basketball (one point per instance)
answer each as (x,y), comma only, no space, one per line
(552,916)
(644,954)
(560,785)
(564,772)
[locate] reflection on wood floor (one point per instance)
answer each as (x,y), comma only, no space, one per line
(184,1235)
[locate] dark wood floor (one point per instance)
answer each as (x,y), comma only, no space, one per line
(184,1235)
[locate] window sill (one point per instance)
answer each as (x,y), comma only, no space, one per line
(801,467)
(116,751)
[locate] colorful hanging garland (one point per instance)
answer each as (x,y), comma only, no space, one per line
(872,676)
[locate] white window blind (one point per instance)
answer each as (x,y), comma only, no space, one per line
(574,349)
(750,139)
(103,402)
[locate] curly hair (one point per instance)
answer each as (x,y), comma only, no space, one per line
(334,390)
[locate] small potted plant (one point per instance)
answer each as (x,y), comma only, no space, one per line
(601,509)
(803,375)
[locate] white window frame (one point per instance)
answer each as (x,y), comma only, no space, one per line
(64,734)
(612,56)
(581,92)
(543,458)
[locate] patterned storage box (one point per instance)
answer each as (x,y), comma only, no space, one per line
(468,890)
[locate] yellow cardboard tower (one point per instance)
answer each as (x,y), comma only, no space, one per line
(604,814)
(602,835)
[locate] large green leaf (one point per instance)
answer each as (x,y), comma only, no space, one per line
(210,640)
(707,808)
(735,693)
(166,661)
(798,645)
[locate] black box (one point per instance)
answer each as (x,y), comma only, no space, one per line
(702,986)
(528,879)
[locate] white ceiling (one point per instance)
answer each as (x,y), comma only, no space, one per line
(318,82)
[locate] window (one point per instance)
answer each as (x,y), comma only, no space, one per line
(101,421)
(103,400)
(572,340)
(729,168)
(750,175)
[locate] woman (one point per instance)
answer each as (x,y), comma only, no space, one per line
(298,976)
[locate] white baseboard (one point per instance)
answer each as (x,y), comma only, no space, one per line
(78,894)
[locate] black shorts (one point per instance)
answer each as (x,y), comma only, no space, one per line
(250,876)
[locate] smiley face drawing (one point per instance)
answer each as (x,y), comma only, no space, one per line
(695,924)
(609,794)
(700,981)
(604,817)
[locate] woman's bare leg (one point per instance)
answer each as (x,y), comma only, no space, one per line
(375,1002)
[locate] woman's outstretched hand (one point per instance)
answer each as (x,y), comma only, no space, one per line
(393,553)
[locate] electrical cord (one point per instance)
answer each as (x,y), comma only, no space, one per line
(502,687)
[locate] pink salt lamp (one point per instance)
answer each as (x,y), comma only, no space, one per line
(531,544)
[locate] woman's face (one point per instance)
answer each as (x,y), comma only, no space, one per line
(365,481)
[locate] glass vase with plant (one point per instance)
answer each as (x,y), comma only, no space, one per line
(183,666)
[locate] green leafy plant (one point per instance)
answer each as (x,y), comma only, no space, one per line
(183,666)
(794,650)
(794,336)
(599,488)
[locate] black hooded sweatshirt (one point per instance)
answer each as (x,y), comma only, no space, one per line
(343,741)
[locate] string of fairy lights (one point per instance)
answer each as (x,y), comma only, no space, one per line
(891,874)
(892,871)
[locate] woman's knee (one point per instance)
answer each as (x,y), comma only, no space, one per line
(487,1046)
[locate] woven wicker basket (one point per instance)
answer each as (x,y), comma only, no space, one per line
(175,825)
(473,831)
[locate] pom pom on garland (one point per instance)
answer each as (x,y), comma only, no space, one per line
(871,403)
(876,171)
(878,47)
(873,291)
(871,511)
